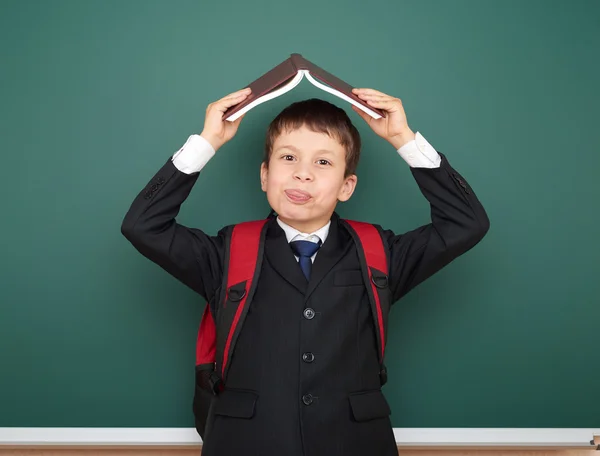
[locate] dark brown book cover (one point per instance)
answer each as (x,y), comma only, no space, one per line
(285,73)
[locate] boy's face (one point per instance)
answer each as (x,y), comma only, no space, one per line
(305,178)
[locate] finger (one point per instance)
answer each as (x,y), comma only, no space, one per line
(375,97)
(236,97)
(238,92)
(386,104)
(225,103)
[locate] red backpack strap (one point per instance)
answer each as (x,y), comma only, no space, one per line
(243,257)
(242,270)
(373,254)
(242,253)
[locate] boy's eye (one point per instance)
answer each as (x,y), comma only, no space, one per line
(288,157)
(322,161)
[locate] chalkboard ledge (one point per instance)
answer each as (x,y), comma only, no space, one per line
(563,438)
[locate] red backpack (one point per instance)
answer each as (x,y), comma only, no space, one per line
(244,253)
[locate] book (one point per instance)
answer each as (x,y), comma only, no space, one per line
(287,75)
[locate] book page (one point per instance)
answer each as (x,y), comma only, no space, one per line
(269,96)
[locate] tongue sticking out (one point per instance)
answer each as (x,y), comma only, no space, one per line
(297,195)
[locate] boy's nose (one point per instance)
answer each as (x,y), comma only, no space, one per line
(303,174)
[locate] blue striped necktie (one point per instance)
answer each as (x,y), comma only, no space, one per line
(304,250)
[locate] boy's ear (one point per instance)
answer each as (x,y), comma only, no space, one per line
(263,176)
(348,188)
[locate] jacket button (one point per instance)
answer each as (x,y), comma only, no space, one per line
(307,399)
(309,314)
(308,357)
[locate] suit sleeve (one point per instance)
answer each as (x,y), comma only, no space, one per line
(458,223)
(188,254)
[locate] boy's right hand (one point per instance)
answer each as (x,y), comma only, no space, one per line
(217,131)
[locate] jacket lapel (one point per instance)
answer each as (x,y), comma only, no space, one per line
(280,255)
(333,249)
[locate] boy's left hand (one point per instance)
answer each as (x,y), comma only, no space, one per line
(394,127)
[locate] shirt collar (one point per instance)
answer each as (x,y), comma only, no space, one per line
(292,233)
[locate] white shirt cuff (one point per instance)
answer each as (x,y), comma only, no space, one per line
(418,153)
(194,154)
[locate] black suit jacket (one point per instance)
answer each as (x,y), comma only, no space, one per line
(305,383)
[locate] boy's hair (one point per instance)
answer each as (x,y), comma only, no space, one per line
(322,117)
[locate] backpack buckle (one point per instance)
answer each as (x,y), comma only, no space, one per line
(237,292)
(379,280)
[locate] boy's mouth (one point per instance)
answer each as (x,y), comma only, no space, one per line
(297,196)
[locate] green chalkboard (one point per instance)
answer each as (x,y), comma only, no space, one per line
(97,95)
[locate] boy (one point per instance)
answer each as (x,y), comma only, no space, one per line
(305,379)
